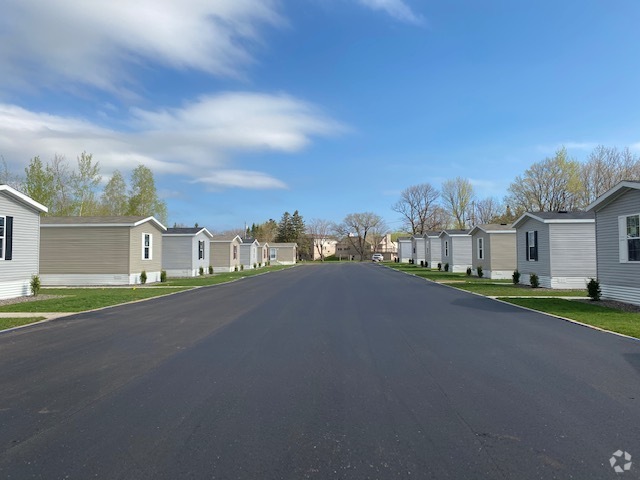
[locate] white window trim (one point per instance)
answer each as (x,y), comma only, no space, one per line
(480,248)
(531,237)
(623,245)
(446,248)
(150,246)
(3,240)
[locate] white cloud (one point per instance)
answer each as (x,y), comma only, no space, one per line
(398,9)
(91,42)
(197,141)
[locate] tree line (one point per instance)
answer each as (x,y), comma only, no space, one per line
(68,190)
(552,184)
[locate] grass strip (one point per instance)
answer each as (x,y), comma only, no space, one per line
(82,299)
(220,277)
(517,290)
(591,313)
(18,321)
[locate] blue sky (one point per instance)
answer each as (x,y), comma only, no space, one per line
(247,108)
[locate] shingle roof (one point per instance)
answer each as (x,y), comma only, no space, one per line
(455,232)
(183,230)
(225,238)
(563,215)
(110,221)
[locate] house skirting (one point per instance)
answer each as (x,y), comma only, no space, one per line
(183,272)
(496,274)
(558,283)
(74,279)
(405,259)
(224,269)
(15,288)
(457,268)
(621,294)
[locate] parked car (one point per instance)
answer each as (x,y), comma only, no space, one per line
(377,257)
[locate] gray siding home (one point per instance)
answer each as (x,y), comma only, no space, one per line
(433,248)
(100,250)
(559,247)
(185,250)
(494,249)
(283,253)
(249,252)
(225,253)
(418,249)
(618,242)
(19,241)
(404,249)
(455,246)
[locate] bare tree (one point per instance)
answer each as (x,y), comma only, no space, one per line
(457,195)
(550,185)
(605,168)
(319,230)
(360,229)
(418,205)
(9,178)
(487,210)
(63,201)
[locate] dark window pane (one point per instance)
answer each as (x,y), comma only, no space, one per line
(634,250)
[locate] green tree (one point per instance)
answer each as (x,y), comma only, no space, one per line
(84,183)
(115,200)
(39,183)
(63,203)
(143,196)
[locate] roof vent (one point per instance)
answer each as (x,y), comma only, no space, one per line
(562,211)
(503,224)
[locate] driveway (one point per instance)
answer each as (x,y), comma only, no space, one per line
(345,371)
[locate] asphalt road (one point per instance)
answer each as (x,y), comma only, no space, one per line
(347,371)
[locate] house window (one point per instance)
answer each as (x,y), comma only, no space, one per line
(2,234)
(532,246)
(147,246)
(201,250)
(446,249)
(633,238)
(235,252)
(480,248)
(273,253)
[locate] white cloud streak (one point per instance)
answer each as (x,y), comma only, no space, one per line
(94,42)
(197,141)
(398,9)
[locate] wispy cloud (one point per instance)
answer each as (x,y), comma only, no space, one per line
(398,9)
(198,141)
(93,43)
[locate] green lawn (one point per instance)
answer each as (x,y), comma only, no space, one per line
(16,322)
(220,277)
(81,299)
(589,313)
(440,276)
(509,289)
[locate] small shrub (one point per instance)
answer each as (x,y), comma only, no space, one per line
(480,272)
(593,288)
(534,280)
(210,270)
(235,269)
(516,277)
(163,276)
(143,277)
(201,271)
(439,267)
(35,285)
(446,267)
(468,271)
(255,265)
(426,264)
(241,267)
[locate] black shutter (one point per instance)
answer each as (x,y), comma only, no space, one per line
(535,249)
(526,239)
(8,234)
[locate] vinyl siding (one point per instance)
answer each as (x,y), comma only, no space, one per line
(485,262)
(202,262)
(15,274)
(248,254)
(619,281)
(404,251)
(503,251)
(418,244)
(573,250)
(435,252)
(285,255)
(84,250)
(222,256)
(541,267)
(137,264)
(461,252)
(177,253)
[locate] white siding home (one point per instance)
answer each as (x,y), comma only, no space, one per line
(249,255)
(404,249)
(418,249)
(19,241)
(433,248)
(559,247)
(494,249)
(455,246)
(618,242)
(185,250)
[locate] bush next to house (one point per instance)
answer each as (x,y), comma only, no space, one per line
(426,264)
(480,272)
(516,277)
(468,271)
(35,285)
(143,277)
(255,265)
(235,269)
(210,270)
(446,267)
(439,267)
(534,280)
(241,267)
(201,271)
(593,288)
(163,276)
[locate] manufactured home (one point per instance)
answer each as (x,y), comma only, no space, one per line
(185,251)
(225,253)
(494,250)
(455,246)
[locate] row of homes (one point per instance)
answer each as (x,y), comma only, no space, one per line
(113,250)
(564,249)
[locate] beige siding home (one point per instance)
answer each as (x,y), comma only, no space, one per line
(100,250)
(19,241)
(494,249)
(225,253)
(283,253)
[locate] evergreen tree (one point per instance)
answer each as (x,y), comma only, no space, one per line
(286,232)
